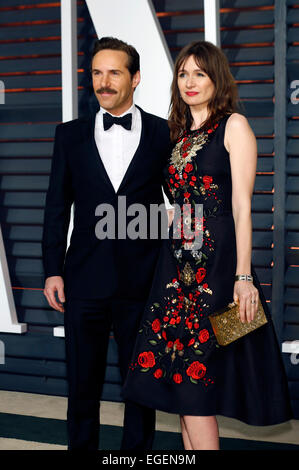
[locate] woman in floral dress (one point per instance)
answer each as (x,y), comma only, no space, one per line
(178,366)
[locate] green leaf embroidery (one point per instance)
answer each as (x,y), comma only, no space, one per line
(196,192)
(198,352)
(193,381)
(145,370)
(156,305)
(140,331)
(153,342)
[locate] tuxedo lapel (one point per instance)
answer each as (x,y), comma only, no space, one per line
(138,154)
(95,161)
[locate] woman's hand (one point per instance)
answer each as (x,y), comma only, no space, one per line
(245,293)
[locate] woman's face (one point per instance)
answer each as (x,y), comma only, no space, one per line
(195,86)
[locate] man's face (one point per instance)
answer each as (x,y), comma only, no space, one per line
(112,81)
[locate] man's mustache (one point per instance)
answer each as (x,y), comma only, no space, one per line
(106,90)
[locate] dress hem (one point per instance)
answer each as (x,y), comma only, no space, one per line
(218,412)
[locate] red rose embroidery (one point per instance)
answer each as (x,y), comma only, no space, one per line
(187,195)
(193,178)
(156,325)
(172,321)
(188,167)
(158,373)
(179,345)
(207,180)
(192,341)
(203,336)
(176,176)
(169,344)
(196,370)
(200,275)
(177,378)
(164,335)
(171,170)
(146,359)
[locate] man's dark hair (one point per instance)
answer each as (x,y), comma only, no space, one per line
(118,45)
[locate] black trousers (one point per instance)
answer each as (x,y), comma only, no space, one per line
(88,324)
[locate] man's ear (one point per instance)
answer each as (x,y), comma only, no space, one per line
(136,79)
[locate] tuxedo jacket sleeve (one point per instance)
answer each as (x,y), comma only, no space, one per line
(59,200)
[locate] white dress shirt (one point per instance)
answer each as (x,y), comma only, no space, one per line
(117,146)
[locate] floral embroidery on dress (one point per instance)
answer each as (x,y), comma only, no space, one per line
(183,176)
(185,149)
(178,332)
(176,338)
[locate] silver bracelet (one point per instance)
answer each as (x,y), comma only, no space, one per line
(243,277)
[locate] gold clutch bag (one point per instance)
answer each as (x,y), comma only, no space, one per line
(228,327)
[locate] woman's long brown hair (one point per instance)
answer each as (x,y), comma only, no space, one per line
(214,63)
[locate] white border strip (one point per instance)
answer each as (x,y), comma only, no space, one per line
(69,60)
(8,315)
(58,331)
(290,347)
(212,21)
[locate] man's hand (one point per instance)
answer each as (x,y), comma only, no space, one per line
(53,284)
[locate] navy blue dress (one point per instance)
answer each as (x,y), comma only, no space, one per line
(177,365)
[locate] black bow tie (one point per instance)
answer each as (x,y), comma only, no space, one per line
(125,121)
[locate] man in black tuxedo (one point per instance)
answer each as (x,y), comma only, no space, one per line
(119,151)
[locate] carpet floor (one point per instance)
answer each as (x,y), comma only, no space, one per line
(53,431)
